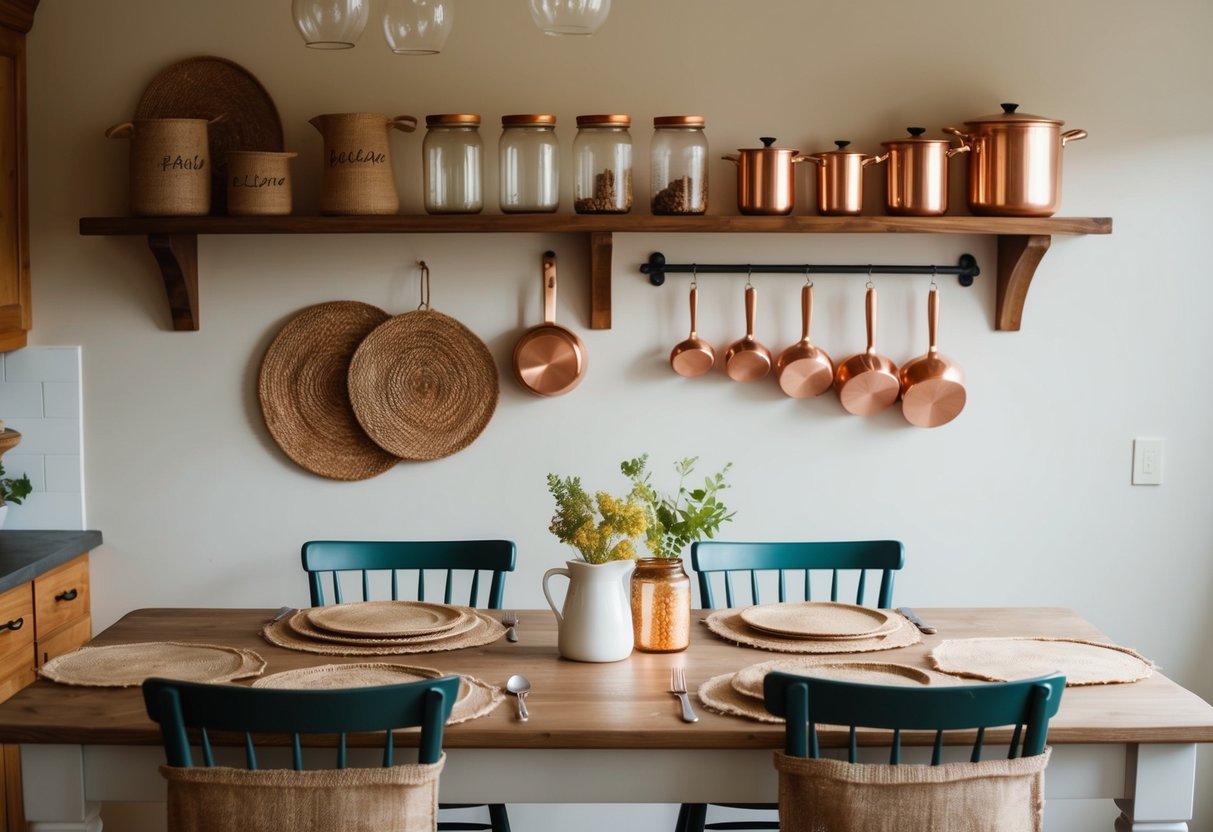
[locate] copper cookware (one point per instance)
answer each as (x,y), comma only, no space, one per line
(867,383)
(917,176)
(766,178)
(840,179)
(932,387)
(549,360)
(694,356)
(804,370)
(1015,163)
(746,359)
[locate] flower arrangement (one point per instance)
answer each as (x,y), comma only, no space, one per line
(688,514)
(601,527)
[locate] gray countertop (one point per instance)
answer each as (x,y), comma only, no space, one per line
(24,555)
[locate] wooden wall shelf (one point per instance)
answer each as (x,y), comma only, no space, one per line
(1022,242)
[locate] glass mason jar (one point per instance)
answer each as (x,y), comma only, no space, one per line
(661,605)
(678,177)
(529,158)
(602,165)
(453,162)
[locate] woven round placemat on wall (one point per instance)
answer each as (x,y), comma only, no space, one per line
(1006,659)
(126,665)
(305,397)
(729,625)
(423,385)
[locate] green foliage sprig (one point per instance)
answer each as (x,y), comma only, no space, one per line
(14,490)
(677,519)
(601,527)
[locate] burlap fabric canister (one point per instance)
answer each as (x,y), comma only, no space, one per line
(258,183)
(170,166)
(358,177)
(397,799)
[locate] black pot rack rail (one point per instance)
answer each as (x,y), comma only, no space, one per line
(657,268)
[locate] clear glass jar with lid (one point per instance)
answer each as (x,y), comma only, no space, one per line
(453,163)
(602,165)
(678,173)
(529,162)
(661,605)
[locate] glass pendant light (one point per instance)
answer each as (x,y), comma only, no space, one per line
(330,24)
(418,27)
(569,17)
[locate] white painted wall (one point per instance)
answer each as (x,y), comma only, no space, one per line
(1025,499)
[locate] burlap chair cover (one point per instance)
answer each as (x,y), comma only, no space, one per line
(397,799)
(826,795)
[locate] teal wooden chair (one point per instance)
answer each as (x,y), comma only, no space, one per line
(267,796)
(805,703)
(741,571)
(349,567)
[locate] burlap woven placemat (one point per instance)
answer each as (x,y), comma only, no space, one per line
(423,385)
(386,619)
(1005,659)
(127,665)
(305,397)
(301,623)
(476,697)
(280,633)
(728,625)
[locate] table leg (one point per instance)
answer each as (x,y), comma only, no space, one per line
(1160,781)
(53,786)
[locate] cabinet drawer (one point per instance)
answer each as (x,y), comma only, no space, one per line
(63,640)
(61,595)
(16,671)
(17,619)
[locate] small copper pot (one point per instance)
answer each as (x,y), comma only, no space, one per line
(867,383)
(746,359)
(932,387)
(917,175)
(840,179)
(766,178)
(804,370)
(1015,163)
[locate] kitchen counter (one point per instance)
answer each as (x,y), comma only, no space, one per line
(24,555)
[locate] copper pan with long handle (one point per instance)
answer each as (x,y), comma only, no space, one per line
(549,360)
(746,359)
(804,370)
(867,383)
(932,387)
(693,356)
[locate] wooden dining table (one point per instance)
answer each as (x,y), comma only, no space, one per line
(609,732)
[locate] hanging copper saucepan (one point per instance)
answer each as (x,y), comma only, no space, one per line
(694,356)
(549,360)
(932,387)
(746,359)
(804,370)
(867,383)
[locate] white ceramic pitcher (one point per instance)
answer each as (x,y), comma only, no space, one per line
(596,622)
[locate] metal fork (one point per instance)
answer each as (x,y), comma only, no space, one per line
(678,687)
(509,618)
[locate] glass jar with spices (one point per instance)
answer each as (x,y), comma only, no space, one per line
(452,156)
(661,605)
(602,165)
(678,178)
(529,162)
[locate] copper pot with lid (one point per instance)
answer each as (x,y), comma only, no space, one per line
(917,175)
(766,178)
(1015,162)
(840,179)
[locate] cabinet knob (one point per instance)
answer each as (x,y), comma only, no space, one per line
(69,595)
(15,624)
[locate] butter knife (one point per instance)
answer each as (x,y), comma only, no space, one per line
(916,621)
(282,613)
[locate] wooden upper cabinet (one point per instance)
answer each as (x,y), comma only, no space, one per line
(16,18)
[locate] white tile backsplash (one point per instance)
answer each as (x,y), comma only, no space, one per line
(40,397)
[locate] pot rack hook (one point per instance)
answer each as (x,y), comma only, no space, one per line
(808,276)
(749,273)
(425,285)
(934,285)
(694,276)
(869,285)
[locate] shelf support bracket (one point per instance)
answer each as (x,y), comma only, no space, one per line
(602,244)
(177,256)
(1018,257)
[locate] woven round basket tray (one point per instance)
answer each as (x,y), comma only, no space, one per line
(305,397)
(423,385)
(206,87)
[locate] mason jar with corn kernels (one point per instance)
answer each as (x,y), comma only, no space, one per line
(661,605)
(678,178)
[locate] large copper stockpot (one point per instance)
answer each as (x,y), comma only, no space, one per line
(917,176)
(766,178)
(840,179)
(1015,163)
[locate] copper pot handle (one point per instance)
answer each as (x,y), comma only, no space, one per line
(932,319)
(549,287)
(806,310)
(751,304)
(870,316)
(1072,136)
(694,307)
(731,158)
(965,138)
(875,160)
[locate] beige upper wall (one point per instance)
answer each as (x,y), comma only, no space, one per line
(1024,499)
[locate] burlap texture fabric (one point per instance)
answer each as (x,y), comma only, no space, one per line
(127,665)
(826,795)
(729,625)
(281,633)
(1007,659)
(397,799)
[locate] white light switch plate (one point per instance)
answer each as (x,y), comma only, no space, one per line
(1147,462)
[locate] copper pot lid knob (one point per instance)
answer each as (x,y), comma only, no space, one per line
(842,143)
(917,131)
(1009,109)
(767,141)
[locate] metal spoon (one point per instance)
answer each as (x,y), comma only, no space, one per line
(520,687)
